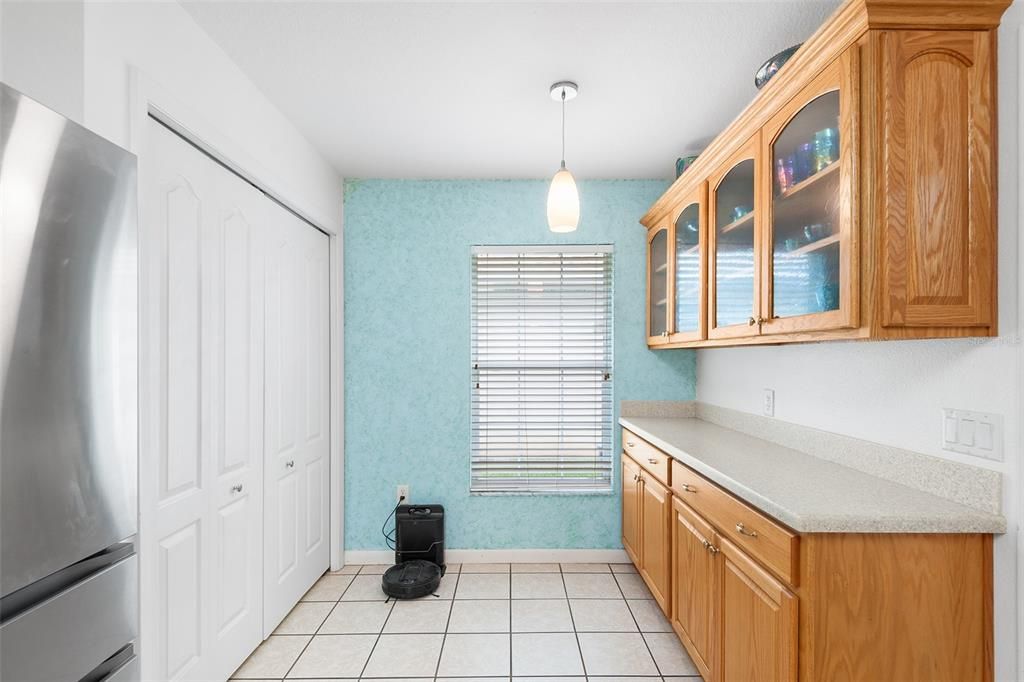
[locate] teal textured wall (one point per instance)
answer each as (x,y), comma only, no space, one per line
(407,279)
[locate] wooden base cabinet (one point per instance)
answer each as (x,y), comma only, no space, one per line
(655,509)
(849,606)
(758,621)
(646,509)
(694,586)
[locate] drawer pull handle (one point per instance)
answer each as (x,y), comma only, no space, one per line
(630,444)
(742,530)
(689,488)
(652,460)
(236,488)
(290,464)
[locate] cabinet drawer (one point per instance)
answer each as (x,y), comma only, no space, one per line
(654,461)
(763,538)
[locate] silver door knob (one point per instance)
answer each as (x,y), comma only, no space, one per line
(236,488)
(290,464)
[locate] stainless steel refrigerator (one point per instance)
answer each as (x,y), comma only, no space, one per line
(68,386)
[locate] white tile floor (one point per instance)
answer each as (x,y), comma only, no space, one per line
(489,623)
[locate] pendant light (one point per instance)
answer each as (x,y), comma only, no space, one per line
(563,198)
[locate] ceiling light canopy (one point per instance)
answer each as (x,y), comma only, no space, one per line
(563,197)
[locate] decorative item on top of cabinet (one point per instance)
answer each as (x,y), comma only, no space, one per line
(872,207)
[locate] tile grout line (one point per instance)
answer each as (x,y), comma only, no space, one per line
(313,636)
(642,638)
(572,620)
(447,623)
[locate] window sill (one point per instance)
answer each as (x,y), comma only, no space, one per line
(543,493)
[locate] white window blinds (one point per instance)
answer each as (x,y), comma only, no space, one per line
(541,369)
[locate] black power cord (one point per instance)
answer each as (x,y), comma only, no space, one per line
(389,538)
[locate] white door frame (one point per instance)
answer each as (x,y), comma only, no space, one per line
(146,98)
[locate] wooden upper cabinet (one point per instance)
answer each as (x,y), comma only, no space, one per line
(855,197)
(760,616)
(936,92)
(733,241)
(658,289)
(689,275)
(810,249)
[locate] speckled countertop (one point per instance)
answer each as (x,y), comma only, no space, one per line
(806,493)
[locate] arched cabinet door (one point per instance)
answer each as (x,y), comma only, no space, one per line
(810,247)
(734,267)
(689,269)
(658,290)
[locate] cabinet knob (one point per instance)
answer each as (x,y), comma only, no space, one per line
(713,549)
(290,464)
(636,477)
(689,488)
(236,488)
(742,530)
(751,322)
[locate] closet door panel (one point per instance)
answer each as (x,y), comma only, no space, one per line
(201,354)
(174,476)
(235,369)
(298,403)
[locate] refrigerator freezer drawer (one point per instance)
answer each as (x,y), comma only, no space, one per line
(70,634)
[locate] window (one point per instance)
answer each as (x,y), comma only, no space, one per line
(541,352)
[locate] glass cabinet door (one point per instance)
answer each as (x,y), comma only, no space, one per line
(734,304)
(809,226)
(657,285)
(688,271)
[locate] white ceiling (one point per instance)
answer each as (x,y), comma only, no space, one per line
(460,89)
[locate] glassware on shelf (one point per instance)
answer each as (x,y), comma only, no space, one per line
(806,249)
(804,167)
(826,148)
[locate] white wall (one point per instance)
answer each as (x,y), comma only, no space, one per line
(41,52)
(893,392)
(75,56)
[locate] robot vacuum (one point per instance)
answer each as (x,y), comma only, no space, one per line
(411,579)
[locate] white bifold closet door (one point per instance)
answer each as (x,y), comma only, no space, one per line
(208,242)
(296,546)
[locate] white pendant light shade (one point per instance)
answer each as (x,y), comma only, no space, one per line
(563,198)
(563,202)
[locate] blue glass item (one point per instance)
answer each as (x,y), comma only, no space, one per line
(772,66)
(816,231)
(783,176)
(684,162)
(740,211)
(827,296)
(826,148)
(804,167)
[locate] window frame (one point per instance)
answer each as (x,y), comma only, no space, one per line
(604,464)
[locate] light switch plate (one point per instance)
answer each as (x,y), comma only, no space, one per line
(768,407)
(973,433)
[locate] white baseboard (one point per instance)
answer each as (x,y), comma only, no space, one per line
(515,556)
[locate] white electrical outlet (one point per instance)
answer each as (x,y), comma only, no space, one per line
(400,492)
(973,433)
(768,405)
